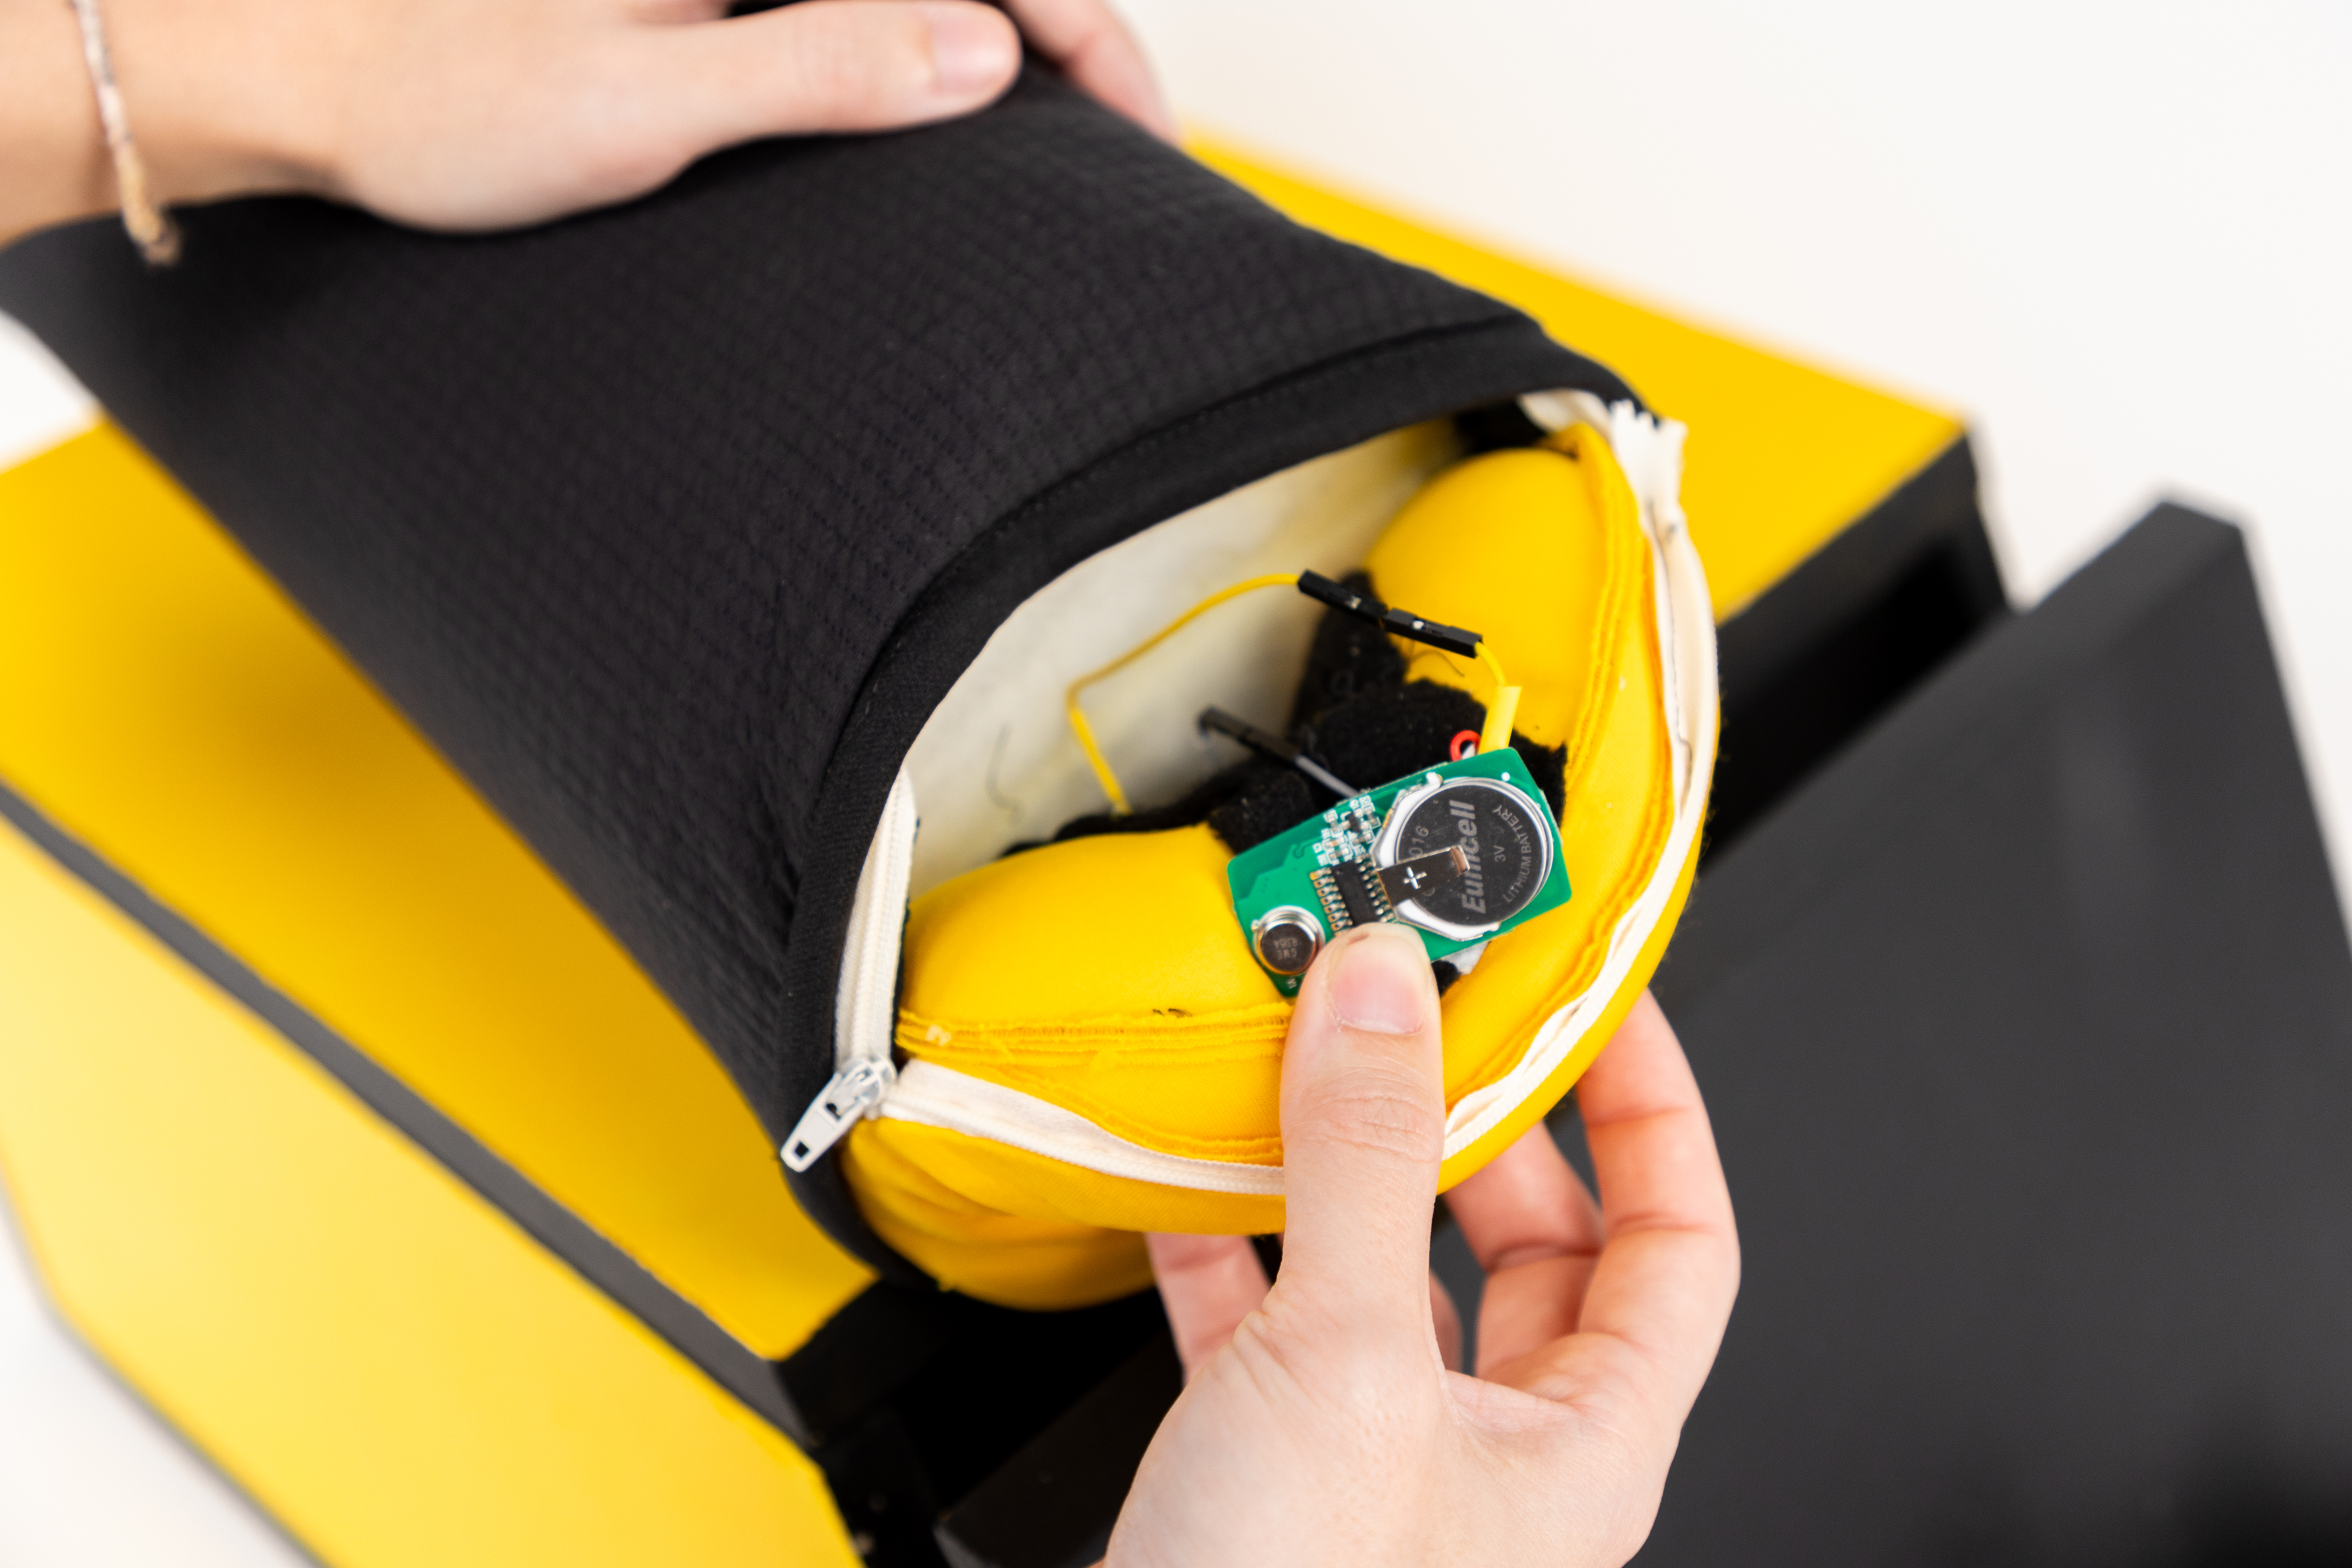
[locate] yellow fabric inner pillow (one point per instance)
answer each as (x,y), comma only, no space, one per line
(1106,978)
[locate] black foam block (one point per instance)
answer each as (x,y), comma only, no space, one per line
(2026,1027)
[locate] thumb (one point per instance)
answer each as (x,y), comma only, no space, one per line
(1363,1127)
(840,65)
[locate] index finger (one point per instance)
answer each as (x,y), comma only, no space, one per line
(1208,1284)
(1537,1233)
(1096,51)
(1670,1258)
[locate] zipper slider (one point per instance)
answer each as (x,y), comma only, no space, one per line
(854,1093)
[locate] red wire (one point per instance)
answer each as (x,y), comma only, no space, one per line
(1465,744)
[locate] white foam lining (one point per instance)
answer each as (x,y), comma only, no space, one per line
(996,763)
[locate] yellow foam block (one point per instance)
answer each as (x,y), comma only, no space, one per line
(1782,455)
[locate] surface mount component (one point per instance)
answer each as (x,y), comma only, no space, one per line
(1459,853)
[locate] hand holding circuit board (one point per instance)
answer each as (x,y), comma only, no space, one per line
(1460,852)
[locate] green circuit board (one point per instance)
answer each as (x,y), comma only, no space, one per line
(1458,854)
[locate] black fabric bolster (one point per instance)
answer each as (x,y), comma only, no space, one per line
(670,524)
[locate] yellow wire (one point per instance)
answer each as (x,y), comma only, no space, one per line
(1085,733)
(1505,706)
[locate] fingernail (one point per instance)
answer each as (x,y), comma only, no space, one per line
(1379,981)
(972,48)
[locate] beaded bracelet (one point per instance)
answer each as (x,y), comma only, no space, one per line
(156,236)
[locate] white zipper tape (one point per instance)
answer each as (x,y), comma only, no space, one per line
(866,999)
(865,1003)
(936,1096)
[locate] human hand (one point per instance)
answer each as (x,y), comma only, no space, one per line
(1318,1423)
(469,114)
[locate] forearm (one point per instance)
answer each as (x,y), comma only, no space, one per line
(53,162)
(471,114)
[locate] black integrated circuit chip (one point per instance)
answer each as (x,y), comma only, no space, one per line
(1359,892)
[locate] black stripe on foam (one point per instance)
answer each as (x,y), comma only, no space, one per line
(726,1360)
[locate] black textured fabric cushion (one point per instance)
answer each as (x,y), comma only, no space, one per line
(670,524)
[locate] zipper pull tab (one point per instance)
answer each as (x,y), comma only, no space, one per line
(855,1092)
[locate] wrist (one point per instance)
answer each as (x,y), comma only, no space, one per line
(53,162)
(214,104)
(211,107)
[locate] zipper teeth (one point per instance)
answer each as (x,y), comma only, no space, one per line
(865,1018)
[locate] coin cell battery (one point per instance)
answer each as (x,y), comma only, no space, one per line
(1504,855)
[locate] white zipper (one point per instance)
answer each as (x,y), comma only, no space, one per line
(865,1003)
(851,1096)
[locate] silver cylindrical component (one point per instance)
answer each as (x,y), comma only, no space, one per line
(1286,939)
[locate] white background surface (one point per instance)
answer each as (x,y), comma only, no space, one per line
(2117,238)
